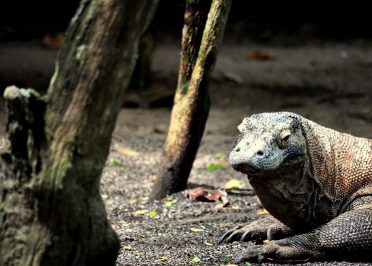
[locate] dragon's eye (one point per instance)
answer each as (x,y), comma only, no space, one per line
(283,138)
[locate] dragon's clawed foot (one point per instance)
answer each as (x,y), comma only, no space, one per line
(258,231)
(274,251)
(244,234)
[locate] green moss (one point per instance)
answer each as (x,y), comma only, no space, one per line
(11,92)
(51,118)
(55,75)
(80,51)
(53,175)
(26,93)
(191,58)
(185,88)
(30,150)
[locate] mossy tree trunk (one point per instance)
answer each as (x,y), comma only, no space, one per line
(51,211)
(204,26)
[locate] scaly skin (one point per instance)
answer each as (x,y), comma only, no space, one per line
(316,181)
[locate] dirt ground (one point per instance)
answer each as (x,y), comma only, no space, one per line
(326,82)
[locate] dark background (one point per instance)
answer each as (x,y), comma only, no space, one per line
(262,21)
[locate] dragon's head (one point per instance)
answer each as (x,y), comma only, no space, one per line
(268,143)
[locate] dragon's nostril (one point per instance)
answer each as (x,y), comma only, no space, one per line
(237,149)
(260,153)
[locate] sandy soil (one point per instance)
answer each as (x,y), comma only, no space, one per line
(328,83)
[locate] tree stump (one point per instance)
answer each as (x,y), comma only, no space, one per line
(51,211)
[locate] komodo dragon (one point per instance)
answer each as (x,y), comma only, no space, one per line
(315,181)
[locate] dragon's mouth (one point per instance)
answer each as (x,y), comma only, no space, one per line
(254,170)
(246,168)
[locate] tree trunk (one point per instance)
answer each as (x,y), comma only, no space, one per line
(202,36)
(51,212)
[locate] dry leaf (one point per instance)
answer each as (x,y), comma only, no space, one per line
(225,200)
(221,195)
(127,247)
(202,194)
(217,194)
(198,193)
(234,184)
(127,151)
(53,41)
(261,211)
(140,212)
(219,206)
(260,56)
(162,259)
(195,229)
